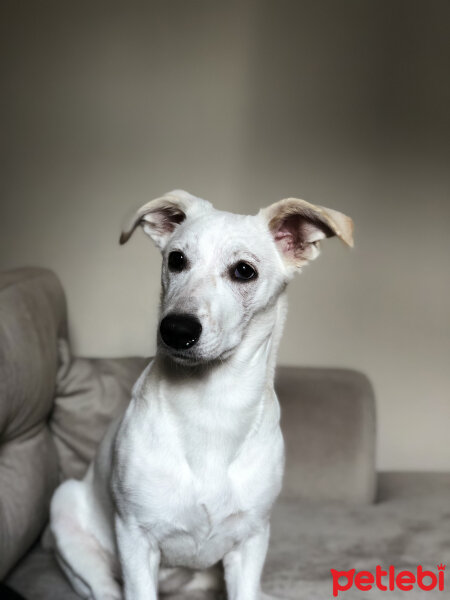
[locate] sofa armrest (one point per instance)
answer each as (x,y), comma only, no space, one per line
(328,422)
(32,318)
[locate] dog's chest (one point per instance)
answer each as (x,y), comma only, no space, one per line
(200,523)
(196,510)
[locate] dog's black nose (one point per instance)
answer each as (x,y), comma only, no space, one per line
(180,331)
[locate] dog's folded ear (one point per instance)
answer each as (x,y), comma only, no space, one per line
(159,217)
(298,226)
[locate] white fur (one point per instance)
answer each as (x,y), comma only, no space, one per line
(187,478)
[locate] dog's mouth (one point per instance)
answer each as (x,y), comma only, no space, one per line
(185,357)
(193,357)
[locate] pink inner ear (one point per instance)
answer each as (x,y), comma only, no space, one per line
(285,240)
(171,217)
(295,232)
(289,236)
(164,219)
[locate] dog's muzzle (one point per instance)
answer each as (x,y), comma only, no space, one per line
(180,331)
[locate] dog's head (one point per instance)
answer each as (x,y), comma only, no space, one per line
(220,269)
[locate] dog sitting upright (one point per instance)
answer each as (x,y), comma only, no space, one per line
(187,477)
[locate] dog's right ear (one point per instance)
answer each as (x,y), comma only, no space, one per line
(159,217)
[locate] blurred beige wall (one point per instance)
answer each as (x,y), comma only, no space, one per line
(345,104)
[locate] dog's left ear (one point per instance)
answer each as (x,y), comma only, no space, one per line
(159,217)
(298,226)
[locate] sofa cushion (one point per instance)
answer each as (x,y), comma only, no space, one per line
(38,577)
(89,394)
(32,317)
(410,526)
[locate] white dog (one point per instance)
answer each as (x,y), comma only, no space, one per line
(187,477)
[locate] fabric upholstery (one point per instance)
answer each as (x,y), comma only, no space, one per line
(7,593)
(328,423)
(89,394)
(409,526)
(32,317)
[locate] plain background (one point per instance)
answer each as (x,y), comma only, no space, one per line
(346,104)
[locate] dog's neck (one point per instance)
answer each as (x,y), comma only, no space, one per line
(223,403)
(259,347)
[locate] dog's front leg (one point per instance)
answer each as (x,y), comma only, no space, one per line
(243,567)
(139,558)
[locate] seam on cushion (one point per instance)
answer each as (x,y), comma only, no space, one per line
(27,433)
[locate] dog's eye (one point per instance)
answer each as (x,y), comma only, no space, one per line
(177,261)
(244,271)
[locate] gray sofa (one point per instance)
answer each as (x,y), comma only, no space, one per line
(335,511)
